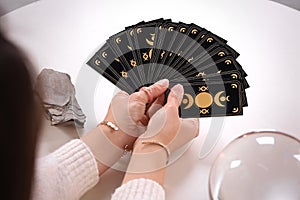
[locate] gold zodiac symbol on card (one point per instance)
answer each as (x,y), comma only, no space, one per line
(203,88)
(124,74)
(200,74)
(204,111)
(162,54)
(133,63)
(146,56)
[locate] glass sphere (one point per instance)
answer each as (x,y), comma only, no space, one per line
(258,165)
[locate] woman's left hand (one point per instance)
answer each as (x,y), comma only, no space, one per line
(130,112)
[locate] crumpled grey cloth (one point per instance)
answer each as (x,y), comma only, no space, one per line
(58,96)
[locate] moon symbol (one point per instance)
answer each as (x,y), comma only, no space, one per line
(131,32)
(194,31)
(221,53)
(118,40)
(203,100)
(97,62)
(235,110)
(228,62)
(210,39)
(234,85)
(150,53)
(149,42)
(171,28)
(129,47)
(104,54)
(188,100)
(182,30)
(217,99)
(234,76)
(139,30)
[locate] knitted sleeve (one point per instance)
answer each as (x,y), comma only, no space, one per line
(66,174)
(139,189)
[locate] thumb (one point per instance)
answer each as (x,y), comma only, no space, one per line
(175,96)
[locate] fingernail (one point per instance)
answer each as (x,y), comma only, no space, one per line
(178,90)
(163,82)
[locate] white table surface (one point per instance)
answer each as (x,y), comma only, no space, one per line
(62,34)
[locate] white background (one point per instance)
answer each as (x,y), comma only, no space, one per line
(266,35)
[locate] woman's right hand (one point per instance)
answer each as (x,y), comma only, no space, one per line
(165,125)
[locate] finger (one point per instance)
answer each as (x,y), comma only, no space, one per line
(147,94)
(145,119)
(175,96)
(189,129)
(156,105)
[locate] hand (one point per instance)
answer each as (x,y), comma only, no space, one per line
(165,125)
(129,112)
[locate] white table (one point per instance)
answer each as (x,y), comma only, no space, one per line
(62,34)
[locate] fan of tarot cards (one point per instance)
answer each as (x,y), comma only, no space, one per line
(214,82)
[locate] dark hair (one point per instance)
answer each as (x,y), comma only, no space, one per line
(19,122)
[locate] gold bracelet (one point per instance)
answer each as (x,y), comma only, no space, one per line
(160,144)
(110,125)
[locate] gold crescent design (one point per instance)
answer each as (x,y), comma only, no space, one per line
(149,42)
(182,30)
(104,54)
(228,62)
(118,40)
(194,31)
(139,30)
(171,28)
(234,76)
(235,110)
(234,85)
(210,39)
(131,32)
(188,101)
(221,53)
(150,53)
(203,100)
(129,47)
(217,99)
(97,62)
